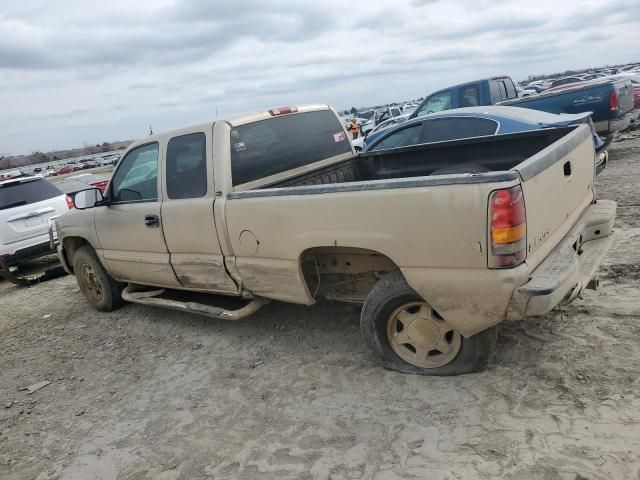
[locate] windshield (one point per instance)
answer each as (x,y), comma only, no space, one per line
(278,144)
(18,193)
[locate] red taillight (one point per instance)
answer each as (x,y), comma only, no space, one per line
(69,201)
(614,101)
(282,111)
(102,185)
(508,228)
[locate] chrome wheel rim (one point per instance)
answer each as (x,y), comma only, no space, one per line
(419,336)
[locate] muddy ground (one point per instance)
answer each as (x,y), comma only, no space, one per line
(293,393)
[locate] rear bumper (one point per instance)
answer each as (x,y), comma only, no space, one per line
(618,124)
(570,267)
(25,254)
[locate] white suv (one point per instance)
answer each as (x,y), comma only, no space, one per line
(26,204)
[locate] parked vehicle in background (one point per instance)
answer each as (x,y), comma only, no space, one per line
(11,174)
(276,205)
(479,122)
(610,101)
(64,170)
(408,109)
(380,116)
(526,92)
(565,81)
(75,183)
(26,204)
(359,142)
(488,91)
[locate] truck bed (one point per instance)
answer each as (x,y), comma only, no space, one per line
(475,155)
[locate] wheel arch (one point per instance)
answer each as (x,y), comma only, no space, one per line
(70,245)
(343,273)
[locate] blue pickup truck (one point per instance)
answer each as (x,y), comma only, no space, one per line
(609,100)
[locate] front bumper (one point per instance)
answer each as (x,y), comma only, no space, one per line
(25,254)
(570,267)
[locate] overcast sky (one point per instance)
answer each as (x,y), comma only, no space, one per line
(93,71)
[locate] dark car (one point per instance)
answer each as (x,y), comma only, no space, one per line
(472,122)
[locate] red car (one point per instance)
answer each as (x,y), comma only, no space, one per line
(63,170)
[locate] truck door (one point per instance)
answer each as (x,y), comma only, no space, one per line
(187,215)
(129,228)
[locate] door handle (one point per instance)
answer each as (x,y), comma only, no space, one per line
(152,221)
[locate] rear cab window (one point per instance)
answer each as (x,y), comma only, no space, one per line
(18,193)
(268,147)
(469,96)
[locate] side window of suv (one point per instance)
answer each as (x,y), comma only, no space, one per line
(137,176)
(187,166)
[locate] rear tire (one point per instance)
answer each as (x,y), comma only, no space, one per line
(411,337)
(102,291)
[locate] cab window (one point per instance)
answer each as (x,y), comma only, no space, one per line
(187,166)
(469,96)
(137,176)
(436,103)
(403,138)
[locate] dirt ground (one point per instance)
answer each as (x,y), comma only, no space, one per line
(293,393)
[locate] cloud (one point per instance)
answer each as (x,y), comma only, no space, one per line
(84,70)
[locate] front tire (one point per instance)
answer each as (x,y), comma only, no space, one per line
(102,291)
(411,337)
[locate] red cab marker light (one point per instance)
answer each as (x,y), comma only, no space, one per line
(282,111)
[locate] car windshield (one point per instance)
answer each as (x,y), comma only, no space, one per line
(25,192)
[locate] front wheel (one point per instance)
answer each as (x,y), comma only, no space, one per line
(411,337)
(102,291)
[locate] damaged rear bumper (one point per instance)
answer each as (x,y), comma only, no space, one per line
(570,267)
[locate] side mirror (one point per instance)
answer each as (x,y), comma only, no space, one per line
(87,198)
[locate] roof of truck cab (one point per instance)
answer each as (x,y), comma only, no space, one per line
(235,121)
(458,85)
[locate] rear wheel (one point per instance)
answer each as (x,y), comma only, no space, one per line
(411,337)
(102,291)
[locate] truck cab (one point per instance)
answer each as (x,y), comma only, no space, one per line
(472,94)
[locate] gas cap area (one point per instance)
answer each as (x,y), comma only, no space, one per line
(248,243)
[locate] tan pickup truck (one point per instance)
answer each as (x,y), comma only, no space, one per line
(276,205)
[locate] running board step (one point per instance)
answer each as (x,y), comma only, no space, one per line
(151,297)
